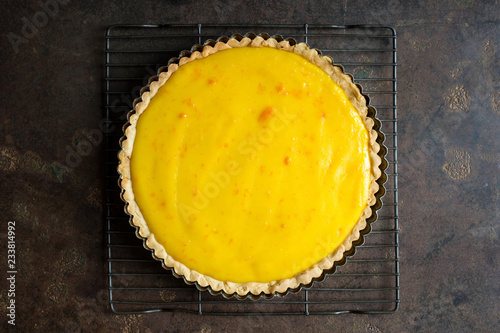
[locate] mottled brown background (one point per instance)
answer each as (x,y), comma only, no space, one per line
(449,116)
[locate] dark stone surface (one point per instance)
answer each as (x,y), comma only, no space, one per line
(449,116)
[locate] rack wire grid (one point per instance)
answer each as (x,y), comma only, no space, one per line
(367,283)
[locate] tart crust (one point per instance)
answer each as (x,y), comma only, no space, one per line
(256,288)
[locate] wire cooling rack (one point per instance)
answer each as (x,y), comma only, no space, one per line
(367,283)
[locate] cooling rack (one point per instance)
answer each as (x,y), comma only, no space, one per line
(367,283)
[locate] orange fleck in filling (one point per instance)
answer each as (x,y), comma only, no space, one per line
(266,114)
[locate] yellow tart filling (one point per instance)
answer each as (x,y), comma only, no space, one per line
(250,165)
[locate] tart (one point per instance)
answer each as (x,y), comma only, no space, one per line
(250,167)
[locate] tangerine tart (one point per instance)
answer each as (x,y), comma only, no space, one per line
(250,167)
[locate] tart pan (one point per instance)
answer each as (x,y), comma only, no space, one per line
(378,195)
